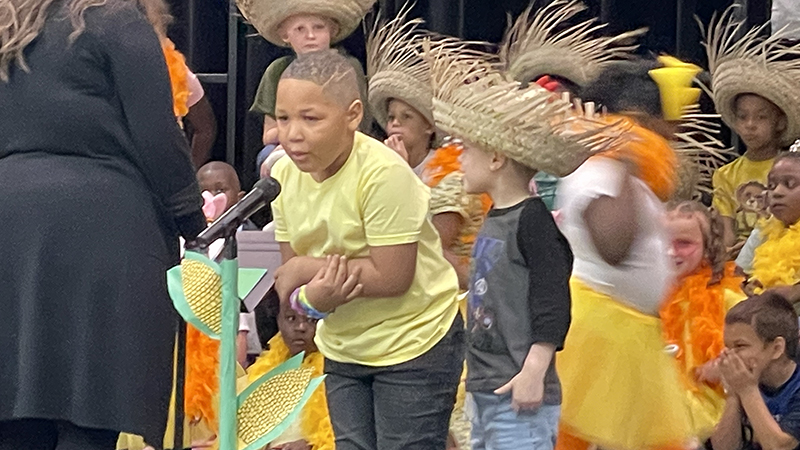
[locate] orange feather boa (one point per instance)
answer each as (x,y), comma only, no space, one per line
(693,315)
(178,77)
(202,381)
(654,158)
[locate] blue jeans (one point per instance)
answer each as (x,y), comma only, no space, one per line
(495,426)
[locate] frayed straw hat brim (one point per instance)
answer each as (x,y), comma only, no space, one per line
(545,151)
(388,85)
(268,15)
(738,77)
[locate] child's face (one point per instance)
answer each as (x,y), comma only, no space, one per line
(315,130)
(756,354)
(476,166)
(784,191)
(297,331)
(220,182)
(687,250)
(408,124)
(307,33)
(758,122)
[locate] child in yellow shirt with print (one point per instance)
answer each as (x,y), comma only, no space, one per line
(755,92)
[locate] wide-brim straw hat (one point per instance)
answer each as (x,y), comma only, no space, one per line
(753,65)
(475,102)
(395,68)
(268,15)
(536,45)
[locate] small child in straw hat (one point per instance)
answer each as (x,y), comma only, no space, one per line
(305,26)
(519,294)
(756,93)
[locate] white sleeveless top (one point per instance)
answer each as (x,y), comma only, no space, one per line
(641,281)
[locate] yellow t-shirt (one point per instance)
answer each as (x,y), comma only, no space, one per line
(373,200)
(739,189)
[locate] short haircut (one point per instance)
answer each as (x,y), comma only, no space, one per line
(771,316)
(226,169)
(329,69)
(624,87)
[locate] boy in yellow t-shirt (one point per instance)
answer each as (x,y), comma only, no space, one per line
(739,187)
(391,335)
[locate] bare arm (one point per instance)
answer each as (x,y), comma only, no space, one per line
(728,432)
(449,226)
(387,272)
(203,126)
(766,430)
(613,223)
(527,387)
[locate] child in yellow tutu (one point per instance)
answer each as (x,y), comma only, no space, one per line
(693,314)
(621,390)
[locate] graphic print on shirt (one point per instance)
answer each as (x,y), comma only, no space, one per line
(751,206)
(485,254)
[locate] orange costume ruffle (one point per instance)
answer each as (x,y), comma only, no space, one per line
(653,156)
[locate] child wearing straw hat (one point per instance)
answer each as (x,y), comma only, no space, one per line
(400,98)
(519,298)
(305,26)
(542,47)
(756,93)
(611,213)
(393,354)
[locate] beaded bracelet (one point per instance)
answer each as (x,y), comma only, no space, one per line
(300,304)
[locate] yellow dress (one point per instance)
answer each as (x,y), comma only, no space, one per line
(620,389)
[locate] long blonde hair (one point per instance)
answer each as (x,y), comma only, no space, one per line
(21,22)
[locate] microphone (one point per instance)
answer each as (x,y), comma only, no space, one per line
(264,192)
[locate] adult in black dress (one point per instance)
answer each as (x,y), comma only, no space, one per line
(95,187)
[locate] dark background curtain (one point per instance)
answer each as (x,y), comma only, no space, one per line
(201,32)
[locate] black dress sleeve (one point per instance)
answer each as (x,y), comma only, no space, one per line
(141,80)
(549,260)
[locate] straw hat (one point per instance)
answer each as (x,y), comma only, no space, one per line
(473,100)
(700,152)
(753,65)
(535,46)
(395,67)
(268,15)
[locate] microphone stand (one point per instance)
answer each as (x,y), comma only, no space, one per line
(227,372)
(180,384)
